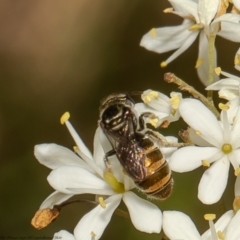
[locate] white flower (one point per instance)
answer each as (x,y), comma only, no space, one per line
(177,225)
(163,108)
(199,18)
(224,149)
(73,175)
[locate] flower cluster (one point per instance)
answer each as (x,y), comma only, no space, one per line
(211,139)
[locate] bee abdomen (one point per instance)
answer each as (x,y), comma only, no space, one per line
(159,184)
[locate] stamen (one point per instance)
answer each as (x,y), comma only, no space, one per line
(209,216)
(205,163)
(64,117)
(199,62)
(117,186)
(223,106)
(237,171)
(101,202)
(168,10)
(153,32)
(218,70)
(163,64)
(227,148)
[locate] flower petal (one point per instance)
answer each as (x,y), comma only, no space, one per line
(76,180)
(189,158)
(202,120)
(177,225)
(52,156)
(233,230)
(230,31)
(54,199)
(166,38)
(214,182)
(185,8)
(63,234)
(94,222)
(145,216)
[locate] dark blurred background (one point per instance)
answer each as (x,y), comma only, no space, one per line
(58,56)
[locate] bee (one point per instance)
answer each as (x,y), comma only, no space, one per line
(136,147)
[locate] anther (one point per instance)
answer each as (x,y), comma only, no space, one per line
(198,132)
(153,32)
(205,163)
(93,234)
(223,106)
(220,235)
(218,70)
(75,149)
(209,216)
(64,117)
(199,62)
(237,171)
(163,64)
(168,10)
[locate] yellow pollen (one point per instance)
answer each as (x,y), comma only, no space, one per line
(168,10)
(237,171)
(198,132)
(117,186)
(153,32)
(237,60)
(93,234)
(75,149)
(220,235)
(175,100)
(223,106)
(205,163)
(226,148)
(64,117)
(101,202)
(209,216)
(195,27)
(150,96)
(236,204)
(153,121)
(163,64)
(218,70)
(199,62)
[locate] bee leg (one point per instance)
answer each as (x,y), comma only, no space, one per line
(106,160)
(142,123)
(163,141)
